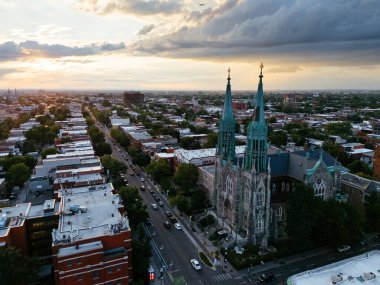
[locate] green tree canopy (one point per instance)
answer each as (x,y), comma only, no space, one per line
(132,201)
(343,130)
(16,268)
(279,138)
(18,174)
(48,151)
(212,140)
(114,166)
(186,176)
(158,169)
(190,143)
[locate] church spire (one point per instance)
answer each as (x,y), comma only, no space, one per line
(259,112)
(257,136)
(227,110)
(226,136)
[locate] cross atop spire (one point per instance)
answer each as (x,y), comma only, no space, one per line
(261,67)
(229,73)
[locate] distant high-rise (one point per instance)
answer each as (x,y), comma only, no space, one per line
(133,97)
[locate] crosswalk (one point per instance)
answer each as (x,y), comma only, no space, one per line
(222,277)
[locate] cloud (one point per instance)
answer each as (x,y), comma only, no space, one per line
(135,7)
(284,69)
(146,30)
(337,31)
(5,71)
(12,51)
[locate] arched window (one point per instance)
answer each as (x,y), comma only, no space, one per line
(319,187)
(287,187)
(259,225)
(260,199)
(246,195)
(279,214)
(274,188)
(229,184)
(282,186)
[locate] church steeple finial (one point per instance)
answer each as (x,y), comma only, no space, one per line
(261,69)
(229,73)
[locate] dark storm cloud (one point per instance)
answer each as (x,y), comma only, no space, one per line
(137,7)
(336,30)
(12,51)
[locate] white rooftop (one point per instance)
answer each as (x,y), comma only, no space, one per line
(101,217)
(66,251)
(203,153)
(70,154)
(12,217)
(355,270)
(78,178)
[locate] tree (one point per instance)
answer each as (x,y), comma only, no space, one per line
(106,103)
(48,151)
(18,174)
(339,129)
(132,201)
(102,148)
(114,166)
(212,140)
(16,268)
(186,176)
(182,203)
(372,211)
(158,169)
(301,203)
(279,138)
(190,143)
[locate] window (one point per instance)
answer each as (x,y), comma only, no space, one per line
(282,186)
(229,184)
(287,187)
(319,187)
(279,214)
(109,270)
(259,225)
(118,268)
(274,188)
(260,199)
(271,216)
(246,195)
(79,277)
(79,261)
(95,274)
(69,263)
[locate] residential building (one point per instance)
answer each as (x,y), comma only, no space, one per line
(133,97)
(92,244)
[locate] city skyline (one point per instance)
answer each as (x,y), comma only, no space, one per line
(185,45)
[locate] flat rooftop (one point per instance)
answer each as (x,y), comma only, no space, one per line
(79,178)
(355,270)
(12,217)
(100,215)
(70,154)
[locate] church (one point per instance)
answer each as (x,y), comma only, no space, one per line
(250,192)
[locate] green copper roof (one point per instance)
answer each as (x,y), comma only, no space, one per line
(226,136)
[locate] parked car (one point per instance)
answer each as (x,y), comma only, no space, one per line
(142,188)
(148,222)
(142,179)
(160,203)
(266,277)
(154,206)
(196,265)
(173,219)
(343,248)
(168,214)
(167,224)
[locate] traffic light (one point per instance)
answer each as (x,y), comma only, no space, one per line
(151,276)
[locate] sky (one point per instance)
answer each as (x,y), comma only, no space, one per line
(189,44)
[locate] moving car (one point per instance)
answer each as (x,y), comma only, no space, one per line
(154,206)
(343,248)
(142,179)
(167,213)
(167,224)
(160,203)
(196,265)
(177,226)
(266,277)
(148,222)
